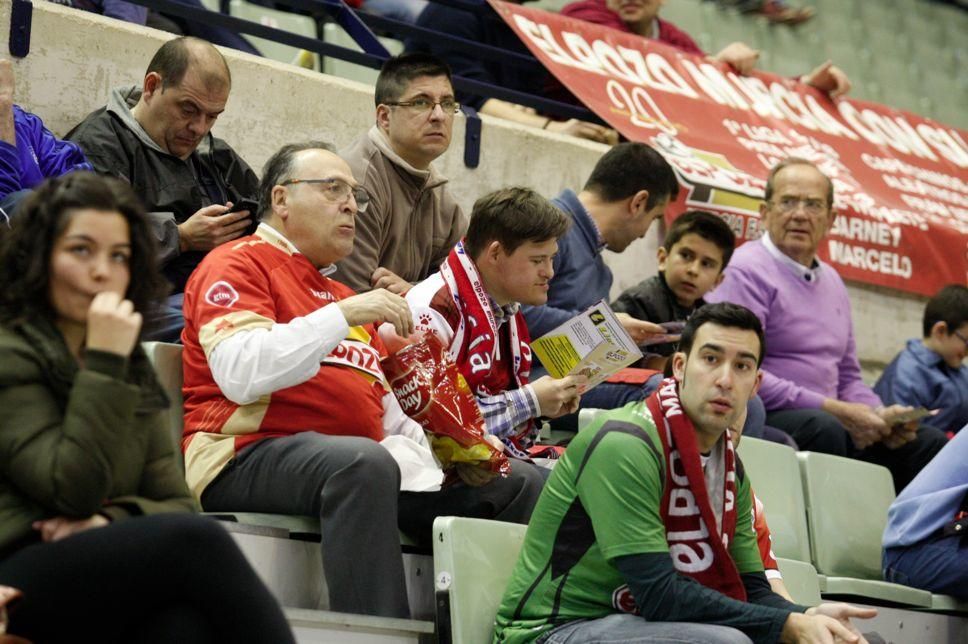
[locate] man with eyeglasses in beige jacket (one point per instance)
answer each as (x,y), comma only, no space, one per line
(413,219)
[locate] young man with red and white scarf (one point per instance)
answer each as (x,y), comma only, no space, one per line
(642,532)
(472,304)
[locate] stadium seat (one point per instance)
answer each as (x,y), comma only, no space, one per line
(687,14)
(800,578)
(948,604)
(587,416)
(284,20)
(880,15)
(166,358)
(288,568)
(167,361)
(473,561)
(847,502)
(775,477)
(335,35)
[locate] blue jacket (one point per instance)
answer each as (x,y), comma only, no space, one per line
(919,377)
(581,276)
(932,499)
(38,155)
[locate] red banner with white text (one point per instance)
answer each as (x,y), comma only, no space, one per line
(900,180)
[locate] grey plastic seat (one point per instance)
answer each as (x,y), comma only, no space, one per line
(166,358)
(336,35)
(473,561)
(775,476)
(167,361)
(284,20)
(847,502)
(800,578)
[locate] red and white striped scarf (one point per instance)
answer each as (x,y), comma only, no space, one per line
(476,346)
(698,547)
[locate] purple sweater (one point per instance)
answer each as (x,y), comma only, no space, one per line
(810,351)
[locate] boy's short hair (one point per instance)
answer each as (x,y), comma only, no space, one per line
(708,226)
(399,71)
(513,216)
(949,305)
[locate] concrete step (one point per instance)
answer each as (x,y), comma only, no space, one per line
(327,627)
(289,561)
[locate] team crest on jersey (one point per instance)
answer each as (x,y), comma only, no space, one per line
(622,600)
(221,293)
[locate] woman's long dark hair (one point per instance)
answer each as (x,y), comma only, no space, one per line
(42,218)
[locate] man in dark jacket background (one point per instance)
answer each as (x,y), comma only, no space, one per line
(157,137)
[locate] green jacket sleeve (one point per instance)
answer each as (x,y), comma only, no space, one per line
(162,487)
(65,456)
(63,460)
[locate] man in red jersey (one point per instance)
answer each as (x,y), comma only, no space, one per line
(285,400)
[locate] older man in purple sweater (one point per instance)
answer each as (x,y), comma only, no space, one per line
(812,387)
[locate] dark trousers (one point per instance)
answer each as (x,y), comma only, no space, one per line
(815,430)
(161,578)
(939,565)
(353,485)
(165,322)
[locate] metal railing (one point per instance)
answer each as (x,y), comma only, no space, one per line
(357,24)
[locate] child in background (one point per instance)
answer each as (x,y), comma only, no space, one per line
(697,249)
(692,259)
(930,372)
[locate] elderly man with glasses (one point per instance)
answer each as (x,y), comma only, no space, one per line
(413,220)
(287,409)
(812,385)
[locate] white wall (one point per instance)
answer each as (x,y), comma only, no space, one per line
(76,57)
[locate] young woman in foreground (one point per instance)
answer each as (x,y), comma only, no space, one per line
(95,517)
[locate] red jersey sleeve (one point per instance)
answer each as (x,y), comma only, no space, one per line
(764,540)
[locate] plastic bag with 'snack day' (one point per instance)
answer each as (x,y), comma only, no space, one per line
(432,391)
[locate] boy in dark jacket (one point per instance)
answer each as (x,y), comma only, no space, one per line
(691,261)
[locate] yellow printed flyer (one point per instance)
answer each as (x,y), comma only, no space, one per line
(592,343)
